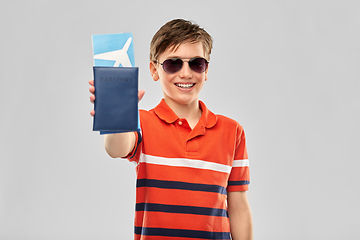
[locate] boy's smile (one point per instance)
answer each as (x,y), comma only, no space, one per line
(182,87)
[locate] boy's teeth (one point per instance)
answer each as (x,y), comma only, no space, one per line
(187,85)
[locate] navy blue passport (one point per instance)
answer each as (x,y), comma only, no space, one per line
(116,99)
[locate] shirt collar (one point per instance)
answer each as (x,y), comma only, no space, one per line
(165,113)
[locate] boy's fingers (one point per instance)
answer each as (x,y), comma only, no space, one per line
(141,94)
(92,98)
(92,89)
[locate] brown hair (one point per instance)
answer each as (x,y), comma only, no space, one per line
(176,32)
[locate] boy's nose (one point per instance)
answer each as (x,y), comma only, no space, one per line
(185,71)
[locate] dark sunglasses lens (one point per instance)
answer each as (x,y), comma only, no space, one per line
(198,64)
(172,65)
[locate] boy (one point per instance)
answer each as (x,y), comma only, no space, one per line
(192,167)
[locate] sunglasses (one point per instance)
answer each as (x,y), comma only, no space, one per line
(174,65)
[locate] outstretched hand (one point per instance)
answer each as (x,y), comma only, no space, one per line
(92,96)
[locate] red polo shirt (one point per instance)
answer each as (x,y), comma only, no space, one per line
(184,174)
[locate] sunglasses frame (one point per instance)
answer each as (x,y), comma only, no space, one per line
(189,62)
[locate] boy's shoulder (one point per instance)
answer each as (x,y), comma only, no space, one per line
(227,121)
(151,115)
(145,113)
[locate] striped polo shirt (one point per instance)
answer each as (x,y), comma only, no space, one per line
(184,174)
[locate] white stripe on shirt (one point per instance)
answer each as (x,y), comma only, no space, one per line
(241,163)
(184,162)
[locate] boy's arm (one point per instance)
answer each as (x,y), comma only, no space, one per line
(240,216)
(119,144)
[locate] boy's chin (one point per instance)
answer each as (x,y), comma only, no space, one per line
(184,101)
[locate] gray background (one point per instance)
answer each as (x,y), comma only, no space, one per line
(288,71)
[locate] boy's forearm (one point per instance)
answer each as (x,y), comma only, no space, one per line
(240,216)
(241,227)
(119,144)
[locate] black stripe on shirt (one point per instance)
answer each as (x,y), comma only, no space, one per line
(168,232)
(236,183)
(180,185)
(154,207)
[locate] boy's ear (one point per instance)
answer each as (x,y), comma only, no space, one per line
(153,71)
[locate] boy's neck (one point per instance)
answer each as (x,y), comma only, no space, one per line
(191,112)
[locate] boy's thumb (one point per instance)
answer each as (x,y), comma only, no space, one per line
(141,94)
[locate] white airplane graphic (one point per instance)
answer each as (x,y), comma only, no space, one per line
(119,56)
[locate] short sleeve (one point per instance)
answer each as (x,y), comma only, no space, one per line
(134,155)
(239,178)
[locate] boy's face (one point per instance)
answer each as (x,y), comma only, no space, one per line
(182,87)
